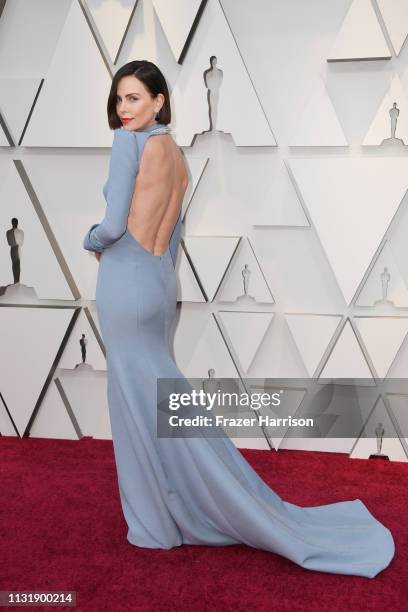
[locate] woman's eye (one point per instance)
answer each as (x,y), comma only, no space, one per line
(131,98)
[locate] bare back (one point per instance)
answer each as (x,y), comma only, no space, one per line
(160,186)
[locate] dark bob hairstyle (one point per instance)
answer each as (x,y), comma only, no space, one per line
(153,80)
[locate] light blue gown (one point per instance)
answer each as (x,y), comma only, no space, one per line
(193,490)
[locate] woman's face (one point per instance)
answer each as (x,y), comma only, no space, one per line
(135,103)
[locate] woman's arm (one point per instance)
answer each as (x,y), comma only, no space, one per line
(123,169)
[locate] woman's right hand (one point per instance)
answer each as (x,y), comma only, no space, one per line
(98,255)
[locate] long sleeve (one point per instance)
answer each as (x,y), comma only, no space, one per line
(123,169)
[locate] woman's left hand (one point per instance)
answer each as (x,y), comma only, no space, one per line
(98,255)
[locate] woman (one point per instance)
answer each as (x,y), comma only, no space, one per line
(188,490)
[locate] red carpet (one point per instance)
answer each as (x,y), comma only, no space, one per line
(61,528)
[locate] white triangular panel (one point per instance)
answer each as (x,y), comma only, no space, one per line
(210,256)
(75,120)
(52,419)
(280,206)
(177,18)
(348,198)
(39,267)
(347,359)
(30,339)
(232,288)
(209,351)
(188,289)
(395,15)
(196,165)
(71,212)
(366,445)
(395,289)
(17,95)
(145,39)
(288,408)
(380,128)
(399,409)
(236,98)
(111,19)
(318,124)
(360,36)
(86,392)
(191,323)
(72,356)
(93,313)
(245,331)
(382,337)
(312,334)
(7,428)
(28,33)
(3,140)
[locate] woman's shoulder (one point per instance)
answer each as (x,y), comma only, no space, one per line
(132,141)
(125,140)
(124,135)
